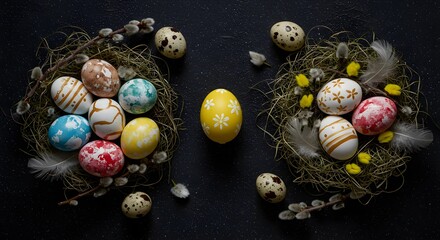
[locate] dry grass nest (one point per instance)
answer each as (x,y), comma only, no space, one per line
(324,174)
(35,123)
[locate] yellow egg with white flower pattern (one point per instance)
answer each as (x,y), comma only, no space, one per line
(139,138)
(221,116)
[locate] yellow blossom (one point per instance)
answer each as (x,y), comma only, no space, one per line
(364,158)
(385,137)
(302,80)
(306,101)
(393,89)
(353,168)
(353,69)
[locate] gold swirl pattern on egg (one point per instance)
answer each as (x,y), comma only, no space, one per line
(107,119)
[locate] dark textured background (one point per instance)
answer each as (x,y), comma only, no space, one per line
(223,202)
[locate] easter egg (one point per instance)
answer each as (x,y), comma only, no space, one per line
(139,138)
(137,96)
(69,132)
(100,78)
(106,118)
(70,95)
(287,35)
(221,116)
(170,42)
(271,187)
(338,137)
(101,158)
(374,115)
(136,205)
(339,96)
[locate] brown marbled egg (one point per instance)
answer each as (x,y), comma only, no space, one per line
(100,78)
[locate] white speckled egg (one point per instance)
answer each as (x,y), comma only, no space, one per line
(338,137)
(136,205)
(106,118)
(288,36)
(221,116)
(70,95)
(170,42)
(339,96)
(271,187)
(100,78)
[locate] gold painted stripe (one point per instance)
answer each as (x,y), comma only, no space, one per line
(336,145)
(78,90)
(331,124)
(329,144)
(333,134)
(79,101)
(61,89)
(67,95)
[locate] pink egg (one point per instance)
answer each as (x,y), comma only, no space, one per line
(101,158)
(374,115)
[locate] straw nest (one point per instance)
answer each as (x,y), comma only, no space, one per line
(323,173)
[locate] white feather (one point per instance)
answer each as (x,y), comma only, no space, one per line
(379,69)
(303,139)
(409,138)
(54,165)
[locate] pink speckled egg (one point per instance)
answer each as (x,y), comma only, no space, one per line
(100,78)
(101,158)
(374,115)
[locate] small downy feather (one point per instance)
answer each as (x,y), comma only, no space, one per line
(409,138)
(53,165)
(303,139)
(379,69)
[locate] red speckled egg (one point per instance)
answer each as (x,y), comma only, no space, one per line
(101,158)
(374,115)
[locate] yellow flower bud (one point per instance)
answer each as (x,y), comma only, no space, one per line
(306,101)
(353,168)
(393,89)
(302,80)
(385,137)
(364,158)
(353,69)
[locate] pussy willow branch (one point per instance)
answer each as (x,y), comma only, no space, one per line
(82,194)
(343,198)
(66,60)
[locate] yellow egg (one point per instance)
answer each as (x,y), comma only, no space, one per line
(221,116)
(139,138)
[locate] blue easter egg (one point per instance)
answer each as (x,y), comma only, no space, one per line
(69,132)
(137,96)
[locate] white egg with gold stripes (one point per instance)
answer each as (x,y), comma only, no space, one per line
(70,95)
(338,137)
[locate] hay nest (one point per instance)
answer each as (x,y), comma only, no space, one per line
(35,123)
(323,173)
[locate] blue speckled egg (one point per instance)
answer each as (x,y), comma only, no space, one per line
(137,96)
(69,132)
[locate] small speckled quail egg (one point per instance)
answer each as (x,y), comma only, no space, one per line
(271,187)
(288,36)
(170,42)
(136,205)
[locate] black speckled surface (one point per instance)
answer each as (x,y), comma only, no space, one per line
(223,202)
